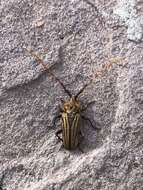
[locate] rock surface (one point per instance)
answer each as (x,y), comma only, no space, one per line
(75,38)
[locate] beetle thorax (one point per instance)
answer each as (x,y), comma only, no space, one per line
(72,105)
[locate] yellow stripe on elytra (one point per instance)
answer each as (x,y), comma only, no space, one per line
(65,130)
(74,130)
(76,125)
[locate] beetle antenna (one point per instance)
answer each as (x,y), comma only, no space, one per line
(81,90)
(101,71)
(40,61)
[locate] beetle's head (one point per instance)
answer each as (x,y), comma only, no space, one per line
(72,105)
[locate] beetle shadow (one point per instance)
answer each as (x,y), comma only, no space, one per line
(90,137)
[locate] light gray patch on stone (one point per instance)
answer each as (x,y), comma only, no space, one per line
(127,10)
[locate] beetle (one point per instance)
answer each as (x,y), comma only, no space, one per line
(71,110)
(70,113)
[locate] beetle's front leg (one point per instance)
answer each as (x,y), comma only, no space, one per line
(86,107)
(55,119)
(87,119)
(57,135)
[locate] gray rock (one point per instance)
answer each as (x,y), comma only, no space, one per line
(75,38)
(130,12)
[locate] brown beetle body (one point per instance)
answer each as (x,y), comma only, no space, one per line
(70,123)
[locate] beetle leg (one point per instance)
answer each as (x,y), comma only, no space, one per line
(78,145)
(87,119)
(57,135)
(55,119)
(86,107)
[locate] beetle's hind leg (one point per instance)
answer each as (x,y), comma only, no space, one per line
(59,131)
(81,137)
(57,135)
(91,124)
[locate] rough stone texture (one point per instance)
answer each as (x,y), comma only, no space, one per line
(75,37)
(131,12)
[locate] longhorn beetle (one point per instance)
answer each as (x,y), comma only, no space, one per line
(70,110)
